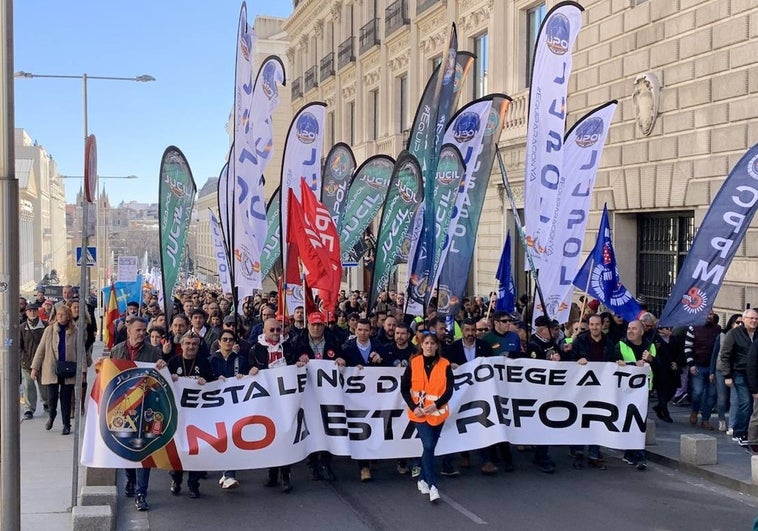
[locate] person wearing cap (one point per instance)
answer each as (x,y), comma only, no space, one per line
(501,338)
(30,336)
(46,310)
(317,342)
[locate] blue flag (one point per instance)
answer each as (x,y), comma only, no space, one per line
(722,230)
(599,275)
(506,291)
(125,293)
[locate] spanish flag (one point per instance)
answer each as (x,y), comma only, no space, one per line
(111,314)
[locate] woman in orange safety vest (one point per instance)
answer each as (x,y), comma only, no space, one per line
(427,386)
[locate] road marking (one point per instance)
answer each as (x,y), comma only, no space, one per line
(461,509)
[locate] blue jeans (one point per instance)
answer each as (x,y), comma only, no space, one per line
(429,436)
(703,392)
(741,395)
(722,395)
(140,477)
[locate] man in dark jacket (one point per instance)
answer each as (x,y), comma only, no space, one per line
(135,348)
(31,333)
(732,363)
(461,351)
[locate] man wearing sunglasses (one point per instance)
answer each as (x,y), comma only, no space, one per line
(503,340)
(271,351)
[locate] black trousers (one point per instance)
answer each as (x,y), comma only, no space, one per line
(66,394)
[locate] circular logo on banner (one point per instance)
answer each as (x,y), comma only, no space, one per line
(246,44)
(269,80)
(447,167)
(306,128)
(140,414)
(466,126)
(331,189)
(557,33)
(589,132)
(752,167)
(493,121)
(340,164)
(695,300)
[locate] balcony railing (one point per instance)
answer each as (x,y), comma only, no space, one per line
(423,5)
(345,52)
(396,16)
(369,35)
(297,88)
(311,78)
(327,66)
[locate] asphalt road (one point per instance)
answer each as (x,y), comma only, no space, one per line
(618,499)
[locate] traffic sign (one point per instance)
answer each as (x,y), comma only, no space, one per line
(91,256)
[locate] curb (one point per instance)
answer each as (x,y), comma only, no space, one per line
(742,487)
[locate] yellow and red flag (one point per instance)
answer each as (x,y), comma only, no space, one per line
(111,314)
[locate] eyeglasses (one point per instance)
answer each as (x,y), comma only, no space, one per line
(226,339)
(429,332)
(482,329)
(275,329)
(503,320)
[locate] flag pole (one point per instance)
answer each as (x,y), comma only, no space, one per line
(586,291)
(521,234)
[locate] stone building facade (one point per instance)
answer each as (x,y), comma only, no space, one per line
(369,61)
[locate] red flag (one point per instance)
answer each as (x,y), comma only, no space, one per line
(317,218)
(111,314)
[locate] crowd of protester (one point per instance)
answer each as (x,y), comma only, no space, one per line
(706,368)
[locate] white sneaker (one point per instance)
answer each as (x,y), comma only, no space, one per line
(722,425)
(730,432)
(423,486)
(221,481)
(434,494)
(230,483)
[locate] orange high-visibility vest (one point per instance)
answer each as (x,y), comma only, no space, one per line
(428,390)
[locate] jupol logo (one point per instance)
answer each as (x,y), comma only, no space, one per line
(340,165)
(140,414)
(695,300)
(557,34)
(589,132)
(331,189)
(306,128)
(466,126)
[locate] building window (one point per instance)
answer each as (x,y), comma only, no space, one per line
(481,65)
(350,123)
(373,101)
(663,241)
(534,17)
(402,103)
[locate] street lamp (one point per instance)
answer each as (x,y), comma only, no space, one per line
(83,283)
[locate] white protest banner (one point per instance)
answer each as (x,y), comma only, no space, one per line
(127,269)
(138,417)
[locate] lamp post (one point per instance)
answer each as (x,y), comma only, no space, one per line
(83,282)
(101,240)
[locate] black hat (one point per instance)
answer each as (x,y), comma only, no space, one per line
(230,320)
(542,320)
(32,306)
